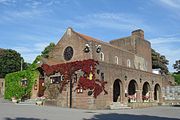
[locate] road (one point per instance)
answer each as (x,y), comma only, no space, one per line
(10,111)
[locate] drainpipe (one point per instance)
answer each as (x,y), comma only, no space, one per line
(70,93)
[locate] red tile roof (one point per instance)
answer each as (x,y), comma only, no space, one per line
(98,41)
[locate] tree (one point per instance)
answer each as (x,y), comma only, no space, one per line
(176,75)
(47,49)
(159,61)
(177,66)
(10,61)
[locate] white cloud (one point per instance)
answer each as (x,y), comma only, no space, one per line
(7,2)
(29,53)
(168,46)
(24,14)
(164,40)
(171,55)
(110,21)
(29,57)
(171,3)
(22,49)
(40,46)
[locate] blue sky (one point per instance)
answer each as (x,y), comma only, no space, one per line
(29,25)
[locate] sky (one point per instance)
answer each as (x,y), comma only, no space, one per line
(28,26)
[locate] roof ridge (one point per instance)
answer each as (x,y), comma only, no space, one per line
(89,38)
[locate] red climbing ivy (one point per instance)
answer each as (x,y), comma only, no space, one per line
(68,69)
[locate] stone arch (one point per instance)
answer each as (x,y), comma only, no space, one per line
(157,92)
(132,91)
(146,91)
(117,90)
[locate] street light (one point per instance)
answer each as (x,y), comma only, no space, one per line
(21,64)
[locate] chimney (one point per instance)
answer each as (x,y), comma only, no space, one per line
(139,33)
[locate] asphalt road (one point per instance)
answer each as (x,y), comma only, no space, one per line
(10,111)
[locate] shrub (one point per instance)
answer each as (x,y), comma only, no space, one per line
(13,87)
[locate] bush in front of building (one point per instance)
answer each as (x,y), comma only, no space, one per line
(19,84)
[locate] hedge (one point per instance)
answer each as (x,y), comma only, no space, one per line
(13,87)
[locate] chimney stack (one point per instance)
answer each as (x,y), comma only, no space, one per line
(139,33)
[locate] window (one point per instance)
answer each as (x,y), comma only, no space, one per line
(102,56)
(68,53)
(56,79)
(24,82)
(128,63)
(102,76)
(116,59)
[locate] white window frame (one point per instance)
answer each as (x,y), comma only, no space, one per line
(128,63)
(116,60)
(102,56)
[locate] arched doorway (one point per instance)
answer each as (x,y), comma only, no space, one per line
(132,88)
(117,91)
(146,92)
(157,92)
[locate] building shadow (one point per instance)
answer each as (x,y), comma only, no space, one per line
(22,118)
(176,105)
(115,116)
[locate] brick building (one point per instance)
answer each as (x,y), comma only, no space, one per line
(123,64)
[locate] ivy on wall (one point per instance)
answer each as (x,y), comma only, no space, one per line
(13,83)
(85,82)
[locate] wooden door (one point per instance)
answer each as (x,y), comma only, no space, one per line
(41,87)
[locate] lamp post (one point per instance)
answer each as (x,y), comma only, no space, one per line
(21,64)
(70,104)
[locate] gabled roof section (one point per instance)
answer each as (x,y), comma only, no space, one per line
(88,38)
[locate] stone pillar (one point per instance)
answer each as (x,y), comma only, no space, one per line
(125,97)
(151,98)
(139,95)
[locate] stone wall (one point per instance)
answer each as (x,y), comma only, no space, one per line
(2,87)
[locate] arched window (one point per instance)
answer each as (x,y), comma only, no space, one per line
(116,59)
(102,56)
(128,63)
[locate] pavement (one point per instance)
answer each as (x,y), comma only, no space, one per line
(11,111)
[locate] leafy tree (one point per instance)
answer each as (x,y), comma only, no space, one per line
(177,66)
(47,49)
(176,75)
(159,61)
(10,61)
(176,78)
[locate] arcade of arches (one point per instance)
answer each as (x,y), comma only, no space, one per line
(136,92)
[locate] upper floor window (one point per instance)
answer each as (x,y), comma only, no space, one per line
(24,82)
(102,76)
(116,59)
(128,63)
(102,56)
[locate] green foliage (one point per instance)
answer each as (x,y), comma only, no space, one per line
(34,65)
(159,61)
(177,66)
(13,87)
(47,49)
(10,61)
(177,78)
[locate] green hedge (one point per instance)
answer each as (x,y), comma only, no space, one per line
(13,87)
